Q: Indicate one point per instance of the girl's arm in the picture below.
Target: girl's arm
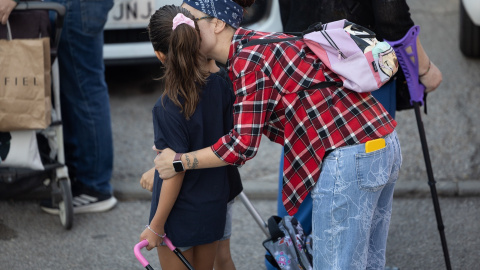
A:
(168, 196)
(200, 159)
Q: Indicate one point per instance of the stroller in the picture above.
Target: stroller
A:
(15, 182)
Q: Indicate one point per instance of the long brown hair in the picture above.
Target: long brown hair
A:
(184, 74)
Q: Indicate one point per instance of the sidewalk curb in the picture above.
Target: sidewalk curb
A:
(260, 189)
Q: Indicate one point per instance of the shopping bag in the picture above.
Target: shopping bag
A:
(25, 90)
(19, 149)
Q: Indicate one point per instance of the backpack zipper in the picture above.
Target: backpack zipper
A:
(332, 43)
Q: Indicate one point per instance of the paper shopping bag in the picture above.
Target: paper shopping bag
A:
(25, 90)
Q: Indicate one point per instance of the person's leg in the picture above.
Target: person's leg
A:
(85, 103)
(84, 95)
(345, 200)
(387, 96)
(169, 260)
(383, 211)
(223, 259)
(204, 256)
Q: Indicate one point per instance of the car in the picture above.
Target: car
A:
(470, 28)
(126, 39)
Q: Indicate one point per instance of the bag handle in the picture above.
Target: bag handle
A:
(275, 232)
(9, 31)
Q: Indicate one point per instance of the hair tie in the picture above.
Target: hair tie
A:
(181, 19)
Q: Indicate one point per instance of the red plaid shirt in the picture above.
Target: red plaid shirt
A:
(268, 81)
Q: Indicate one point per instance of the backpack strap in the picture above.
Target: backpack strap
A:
(269, 40)
(298, 35)
(323, 85)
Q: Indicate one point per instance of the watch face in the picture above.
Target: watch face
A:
(178, 166)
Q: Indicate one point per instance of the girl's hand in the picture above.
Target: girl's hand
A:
(153, 239)
(164, 163)
(147, 179)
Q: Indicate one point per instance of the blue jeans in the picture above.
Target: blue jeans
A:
(352, 206)
(386, 95)
(84, 94)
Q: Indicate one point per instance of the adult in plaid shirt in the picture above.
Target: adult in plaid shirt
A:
(323, 132)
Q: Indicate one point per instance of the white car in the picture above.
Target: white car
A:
(470, 27)
(126, 39)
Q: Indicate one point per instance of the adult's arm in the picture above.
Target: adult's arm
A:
(200, 159)
(6, 7)
(243, 141)
(430, 75)
(393, 20)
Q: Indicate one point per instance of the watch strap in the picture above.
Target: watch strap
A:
(178, 157)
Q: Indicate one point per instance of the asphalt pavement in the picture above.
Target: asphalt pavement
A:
(31, 239)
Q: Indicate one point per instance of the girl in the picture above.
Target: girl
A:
(193, 112)
(324, 133)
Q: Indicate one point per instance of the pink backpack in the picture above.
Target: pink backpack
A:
(362, 62)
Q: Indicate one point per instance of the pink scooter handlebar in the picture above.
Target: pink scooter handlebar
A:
(138, 254)
(169, 244)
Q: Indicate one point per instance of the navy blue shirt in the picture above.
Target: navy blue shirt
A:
(198, 216)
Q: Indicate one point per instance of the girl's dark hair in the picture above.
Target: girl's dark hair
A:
(184, 73)
(244, 3)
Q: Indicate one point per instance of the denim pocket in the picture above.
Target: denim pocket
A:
(373, 169)
(94, 15)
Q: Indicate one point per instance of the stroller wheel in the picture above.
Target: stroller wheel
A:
(66, 204)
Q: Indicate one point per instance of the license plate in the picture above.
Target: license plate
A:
(130, 14)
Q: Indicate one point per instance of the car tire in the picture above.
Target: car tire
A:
(469, 35)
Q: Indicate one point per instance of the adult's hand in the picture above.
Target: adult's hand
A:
(164, 163)
(432, 78)
(147, 179)
(6, 7)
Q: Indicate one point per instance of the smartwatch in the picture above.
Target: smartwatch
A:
(177, 163)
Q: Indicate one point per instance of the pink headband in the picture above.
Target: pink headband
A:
(180, 19)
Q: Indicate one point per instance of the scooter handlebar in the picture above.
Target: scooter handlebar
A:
(169, 243)
(138, 254)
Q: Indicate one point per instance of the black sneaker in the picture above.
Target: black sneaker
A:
(84, 201)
